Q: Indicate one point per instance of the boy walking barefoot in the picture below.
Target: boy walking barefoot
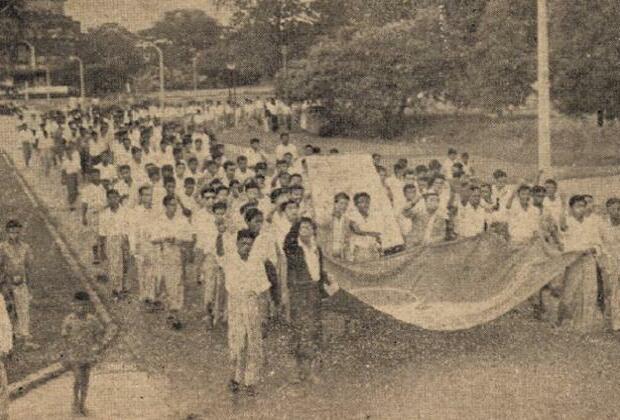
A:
(83, 338)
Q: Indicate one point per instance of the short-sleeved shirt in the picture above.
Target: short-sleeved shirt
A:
(82, 336)
(14, 258)
(113, 223)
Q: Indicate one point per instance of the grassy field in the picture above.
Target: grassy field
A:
(579, 147)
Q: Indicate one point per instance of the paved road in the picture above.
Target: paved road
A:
(513, 367)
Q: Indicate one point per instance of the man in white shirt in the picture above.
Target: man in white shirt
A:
(173, 230)
(127, 187)
(395, 184)
(367, 229)
(93, 197)
(255, 154)
(113, 242)
(142, 226)
(582, 233)
(472, 218)
(71, 169)
(449, 162)
(285, 147)
(522, 217)
(246, 285)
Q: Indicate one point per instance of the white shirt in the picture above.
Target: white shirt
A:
(178, 227)
(580, 236)
(72, 166)
(281, 150)
(470, 222)
(107, 172)
(113, 223)
(94, 196)
(141, 227)
(522, 223)
(254, 157)
(311, 256)
(243, 277)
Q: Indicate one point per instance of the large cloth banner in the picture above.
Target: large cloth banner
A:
(453, 285)
(330, 175)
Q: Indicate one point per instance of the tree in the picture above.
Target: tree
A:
(585, 58)
(111, 58)
(371, 77)
(498, 53)
(190, 32)
(266, 32)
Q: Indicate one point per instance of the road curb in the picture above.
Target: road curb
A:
(35, 379)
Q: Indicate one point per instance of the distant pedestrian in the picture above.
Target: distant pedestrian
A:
(83, 336)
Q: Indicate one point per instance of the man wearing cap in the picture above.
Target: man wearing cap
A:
(15, 265)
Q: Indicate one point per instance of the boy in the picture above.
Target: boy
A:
(246, 283)
(285, 147)
(16, 264)
(83, 337)
(449, 162)
(71, 168)
(337, 228)
(367, 229)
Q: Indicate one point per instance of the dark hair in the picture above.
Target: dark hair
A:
(452, 151)
(245, 234)
(421, 169)
(291, 243)
(169, 179)
(251, 213)
(112, 191)
(551, 181)
(81, 296)
(220, 205)
(357, 197)
(143, 188)
(13, 224)
(537, 189)
(228, 164)
(408, 187)
(254, 140)
(576, 199)
(242, 158)
(523, 187)
(167, 199)
(498, 173)
(287, 203)
(341, 196)
(612, 201)
(189, 181)
(124, 167)
(285, 134)
(221, 188)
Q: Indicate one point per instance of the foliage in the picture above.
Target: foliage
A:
(585, 63)
(371, 77)
(110, 57)
(188, 33)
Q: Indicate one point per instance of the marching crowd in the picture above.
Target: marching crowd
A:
(165, 198)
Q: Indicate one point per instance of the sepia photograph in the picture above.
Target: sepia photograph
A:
(309, 209)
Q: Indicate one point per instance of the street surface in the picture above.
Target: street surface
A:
(513, 367)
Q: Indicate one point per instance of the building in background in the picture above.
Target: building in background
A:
(44, 25)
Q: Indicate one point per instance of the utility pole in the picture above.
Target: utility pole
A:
(544, 101)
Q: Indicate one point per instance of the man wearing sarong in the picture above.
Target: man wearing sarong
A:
(144, 252)
(580, 305)
(610, 262)
(173, 230)
(113, 243)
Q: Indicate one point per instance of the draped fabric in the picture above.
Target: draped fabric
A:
(462, 284)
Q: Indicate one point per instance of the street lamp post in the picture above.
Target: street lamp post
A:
(162, 88)
(195, 72)
(33, 65)
(82, 85)
(544, 102)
